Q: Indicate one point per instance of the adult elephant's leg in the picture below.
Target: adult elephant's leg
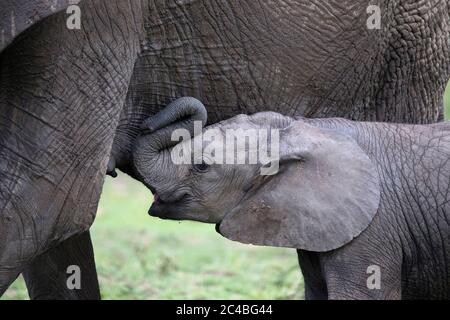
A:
(47, 275)
(61, 95)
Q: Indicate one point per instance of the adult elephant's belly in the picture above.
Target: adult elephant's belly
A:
(249, 56)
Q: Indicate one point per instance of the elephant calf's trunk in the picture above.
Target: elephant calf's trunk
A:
(157, 134)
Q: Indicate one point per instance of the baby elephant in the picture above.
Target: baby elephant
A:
(366, 205)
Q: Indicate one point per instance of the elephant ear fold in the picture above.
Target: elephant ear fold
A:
(326, 192)
(18, 15)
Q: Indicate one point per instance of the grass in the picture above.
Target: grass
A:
(139, 257)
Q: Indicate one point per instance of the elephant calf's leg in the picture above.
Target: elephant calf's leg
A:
(315, 285)
(65, 272)
(363, 279)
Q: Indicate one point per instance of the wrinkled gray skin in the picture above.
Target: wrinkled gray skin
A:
(347, 195)
(70, 99)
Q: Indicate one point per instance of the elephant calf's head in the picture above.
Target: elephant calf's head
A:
(264, 179)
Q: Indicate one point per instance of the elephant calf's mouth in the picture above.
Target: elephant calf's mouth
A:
(167, 208)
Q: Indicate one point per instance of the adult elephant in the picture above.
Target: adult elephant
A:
(70, 99)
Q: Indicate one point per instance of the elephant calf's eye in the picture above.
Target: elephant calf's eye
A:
(201, 167)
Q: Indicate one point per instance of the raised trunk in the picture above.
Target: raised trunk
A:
(151, 152)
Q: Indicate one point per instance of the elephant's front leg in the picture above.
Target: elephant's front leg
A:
(66, 272)
(368, 269)
(61, 95)
(357, 285)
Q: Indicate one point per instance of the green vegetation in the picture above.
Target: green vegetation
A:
(140, 257)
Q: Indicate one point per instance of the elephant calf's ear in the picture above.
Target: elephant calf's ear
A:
(325, 194)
